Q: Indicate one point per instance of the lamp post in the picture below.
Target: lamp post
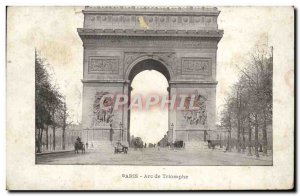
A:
(124, 135)
(221, 146)
(229, 140)
(121, 131)
(93, 132)
(111, 133)
(172, 130)
(87, 134)
(50, 141)
(72, 137)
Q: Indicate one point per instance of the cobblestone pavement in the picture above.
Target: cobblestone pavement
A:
(153, 156)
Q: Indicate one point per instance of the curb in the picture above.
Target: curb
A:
(54, 152)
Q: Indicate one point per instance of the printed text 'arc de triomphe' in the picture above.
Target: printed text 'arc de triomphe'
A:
(120, 42)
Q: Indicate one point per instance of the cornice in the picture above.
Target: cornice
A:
(170, 82)
(137, 32)
(193, 82)
(146, 10)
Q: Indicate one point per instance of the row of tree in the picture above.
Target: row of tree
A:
(50, 106)
(248, 108)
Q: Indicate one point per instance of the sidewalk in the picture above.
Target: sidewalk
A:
(54, 152)
(234, 152)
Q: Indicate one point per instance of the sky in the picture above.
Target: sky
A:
(154, 121)
(52, 31)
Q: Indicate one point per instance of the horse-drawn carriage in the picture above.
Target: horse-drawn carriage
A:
(79, 146)
(119, 148)
(179, 144)
(213, 143)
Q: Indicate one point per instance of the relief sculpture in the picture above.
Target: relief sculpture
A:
(196, 66)
(102, 116)
(196, 116)
(104, 65)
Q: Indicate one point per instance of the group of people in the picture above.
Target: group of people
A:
(150, 145)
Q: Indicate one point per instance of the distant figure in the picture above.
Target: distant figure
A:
(78, 139)
(87, 145)
(154, 145)
(145, 145)
(260, 147)
(111, 134)
(92, 145)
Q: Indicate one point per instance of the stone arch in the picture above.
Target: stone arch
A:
(116, 51)
(142, 63)
(148, 62)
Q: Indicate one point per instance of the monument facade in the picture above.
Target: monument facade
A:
(120, 42)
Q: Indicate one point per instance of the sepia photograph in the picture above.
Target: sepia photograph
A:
(163, 87)
(149, 93)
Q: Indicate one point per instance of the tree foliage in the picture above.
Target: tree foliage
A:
(48, 102)
(250, 102)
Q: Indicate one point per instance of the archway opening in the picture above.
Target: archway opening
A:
(151, 125)
(148, 78)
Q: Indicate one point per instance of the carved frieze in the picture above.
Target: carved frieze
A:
(161, 21)
(195, 66)
(168, 57)
(103, 65)
(149, 42)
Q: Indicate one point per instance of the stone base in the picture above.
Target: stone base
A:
(196, 145)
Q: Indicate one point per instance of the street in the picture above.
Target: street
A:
(153, 156)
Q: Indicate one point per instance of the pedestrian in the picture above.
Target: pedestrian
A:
(260, 148)
(87, 145)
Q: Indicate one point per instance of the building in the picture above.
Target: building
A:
(120, 42)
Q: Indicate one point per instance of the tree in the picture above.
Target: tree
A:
(47, 101)
(260, 75)
(250, 102)
(42, 87)
(63, 115)
(226, 120)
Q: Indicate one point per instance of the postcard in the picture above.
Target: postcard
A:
(150, 98)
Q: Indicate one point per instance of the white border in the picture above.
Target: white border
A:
(4, 3)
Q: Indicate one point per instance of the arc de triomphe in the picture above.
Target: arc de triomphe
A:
(120, 42)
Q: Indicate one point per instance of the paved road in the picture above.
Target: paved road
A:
(154, 157)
